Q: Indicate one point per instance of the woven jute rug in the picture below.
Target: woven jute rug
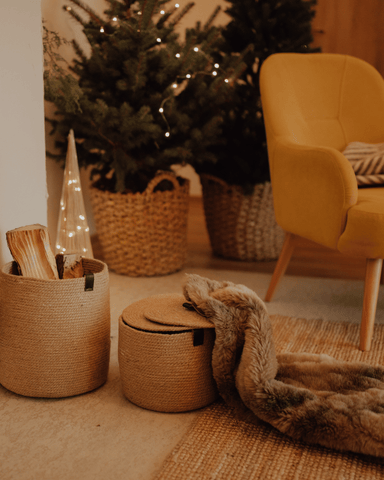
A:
(220, 447)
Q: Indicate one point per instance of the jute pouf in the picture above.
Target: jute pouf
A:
(165, 354)
(54, 334)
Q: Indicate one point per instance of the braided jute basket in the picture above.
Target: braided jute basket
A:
(165, 354)
(54, 335)
(143, 234)
(241, 227)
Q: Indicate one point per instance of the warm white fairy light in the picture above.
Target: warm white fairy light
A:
(68, 9)
(114, 19)
(101, 29)
(162, 12)
(70, 234)
(78, 227)
(187, 76)
(81, 217)
(177, 5)
(158, 40)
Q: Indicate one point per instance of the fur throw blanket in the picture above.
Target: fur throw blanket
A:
(312, 398)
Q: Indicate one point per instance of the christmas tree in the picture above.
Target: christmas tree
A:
(148, 100)
(269, 26)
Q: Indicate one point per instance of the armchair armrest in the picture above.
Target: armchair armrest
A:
(313, 188)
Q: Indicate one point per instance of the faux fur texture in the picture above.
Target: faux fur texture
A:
(312, 398)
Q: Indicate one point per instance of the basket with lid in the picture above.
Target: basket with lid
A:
(165, 353)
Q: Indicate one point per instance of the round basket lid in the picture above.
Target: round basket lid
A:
(163, 313)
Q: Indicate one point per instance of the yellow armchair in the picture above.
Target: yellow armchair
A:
(314, 105)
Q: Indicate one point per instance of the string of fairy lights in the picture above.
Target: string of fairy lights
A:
(186, 77)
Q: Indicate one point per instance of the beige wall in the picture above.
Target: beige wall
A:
(22, 150)
(58, 21)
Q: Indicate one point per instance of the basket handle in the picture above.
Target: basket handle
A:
(212, 178)
(159, 178)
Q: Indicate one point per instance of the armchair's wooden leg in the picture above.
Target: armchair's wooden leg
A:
(371, 293)
(282, 264)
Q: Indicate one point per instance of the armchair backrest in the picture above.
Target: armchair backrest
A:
(321, 100)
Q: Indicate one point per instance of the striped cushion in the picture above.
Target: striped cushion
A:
(367, 161)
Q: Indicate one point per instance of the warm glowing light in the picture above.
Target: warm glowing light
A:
(214, 73)
(68, 9)
(216, 65)
(188, 75)
(162, 12)
(177, 55)
(114, 19)
(226, 80)
(161, 110)
(196, 49)
(174, 85)
(177, 5)
(101, 29)
(78, 227)
(70, 234)
(82, 217)
(58, 246)
(87, 229)
(167, 134)
(159, 40)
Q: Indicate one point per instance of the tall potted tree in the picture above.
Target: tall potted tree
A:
(236, 188)
(146, 101)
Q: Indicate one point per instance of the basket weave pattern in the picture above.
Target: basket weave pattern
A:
(241, 227)
(165, 372)
(143, 234)
(54, 336)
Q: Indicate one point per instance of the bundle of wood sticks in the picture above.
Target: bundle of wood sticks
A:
(31, 249)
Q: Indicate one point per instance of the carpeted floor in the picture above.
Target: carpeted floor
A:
(101, 435)
(221, 447)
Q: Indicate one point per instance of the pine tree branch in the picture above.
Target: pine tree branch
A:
(93, 15)
(147, 12)
(211, 19)
(183, 12)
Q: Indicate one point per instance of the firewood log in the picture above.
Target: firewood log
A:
(31, 249)
(69, 265)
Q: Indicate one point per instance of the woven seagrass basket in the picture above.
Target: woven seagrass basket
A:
(54, 334)
(165, 354)
(143, 234)
(241, 227)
